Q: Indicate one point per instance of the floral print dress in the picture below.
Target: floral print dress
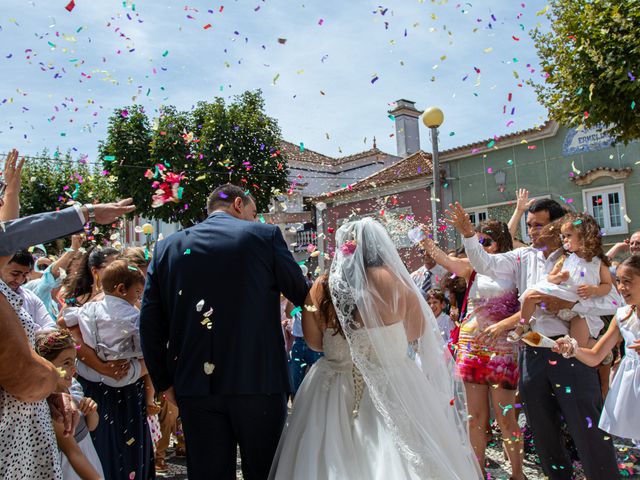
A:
(489, 302)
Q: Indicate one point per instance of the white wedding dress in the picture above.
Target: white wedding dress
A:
(366, 410)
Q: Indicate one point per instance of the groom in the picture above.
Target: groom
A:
(211, 334)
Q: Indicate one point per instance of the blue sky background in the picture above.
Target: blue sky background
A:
(64, 72)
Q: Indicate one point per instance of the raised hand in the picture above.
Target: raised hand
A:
(108, 212)
(458, 219)
(76, 241)
(523, 202)
(12, 172)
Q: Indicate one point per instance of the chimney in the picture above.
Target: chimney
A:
(407, 131)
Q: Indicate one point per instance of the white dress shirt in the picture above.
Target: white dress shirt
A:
(445, 325)
(527, 266)
(37, 310)
(109, 326)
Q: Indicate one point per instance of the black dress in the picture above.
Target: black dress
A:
(122, 439)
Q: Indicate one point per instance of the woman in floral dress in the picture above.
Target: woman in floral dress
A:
(488, 363)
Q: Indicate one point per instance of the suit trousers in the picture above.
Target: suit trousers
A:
(553, 388)
(215, 425)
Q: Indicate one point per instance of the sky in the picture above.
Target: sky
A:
(329, 70)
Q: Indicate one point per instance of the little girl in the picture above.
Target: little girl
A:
(584, 273)
(619, 416)
(79, 458)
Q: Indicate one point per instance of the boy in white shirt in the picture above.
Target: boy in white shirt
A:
(436, 300)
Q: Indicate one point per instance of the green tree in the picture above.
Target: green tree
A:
(51, 182)
(591, 58)
(212, 144)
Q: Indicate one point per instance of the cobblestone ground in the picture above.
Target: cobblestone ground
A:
(497, 465)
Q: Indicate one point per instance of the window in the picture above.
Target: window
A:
(477, 216)
(607, 205)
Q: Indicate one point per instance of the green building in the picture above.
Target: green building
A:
(584, 170)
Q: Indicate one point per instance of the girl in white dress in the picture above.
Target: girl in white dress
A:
(619, 415)
(78, 456)
(584, 273)
(366, 410)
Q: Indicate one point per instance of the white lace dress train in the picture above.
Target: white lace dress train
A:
(335, 431)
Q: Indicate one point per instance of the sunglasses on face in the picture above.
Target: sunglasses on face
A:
(485, 241)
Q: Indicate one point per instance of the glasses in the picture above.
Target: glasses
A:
(485, 241)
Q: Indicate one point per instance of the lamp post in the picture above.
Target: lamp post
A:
(432, 119)
(320, 208)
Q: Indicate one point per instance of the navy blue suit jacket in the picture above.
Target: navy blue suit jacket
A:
(238, 268)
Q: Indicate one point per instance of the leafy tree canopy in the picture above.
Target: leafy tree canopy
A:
(591, 58)
(170, 164)
(51, 182)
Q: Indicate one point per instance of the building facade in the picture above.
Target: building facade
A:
(583, 170)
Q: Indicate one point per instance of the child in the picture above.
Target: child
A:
(619, 416)
(436, 300)
(79, 457)
(584, 273)
(110, 326)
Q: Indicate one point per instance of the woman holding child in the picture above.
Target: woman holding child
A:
(488, 365)
(110, 365)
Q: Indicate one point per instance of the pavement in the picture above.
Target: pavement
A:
(497, 465)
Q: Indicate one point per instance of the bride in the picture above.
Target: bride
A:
(366, 410)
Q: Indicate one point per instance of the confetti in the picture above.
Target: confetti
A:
(130, 441)
(200, 305)
(543, 11)
(209, 368)
(589, 422)
(70, 6)
(187, 251)
(575, 170)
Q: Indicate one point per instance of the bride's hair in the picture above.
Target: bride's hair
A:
(325, 307)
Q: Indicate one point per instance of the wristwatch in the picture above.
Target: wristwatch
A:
(92, 212)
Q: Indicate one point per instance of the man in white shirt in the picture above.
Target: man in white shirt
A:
(429, 275)
(551, 386)
(14, 274)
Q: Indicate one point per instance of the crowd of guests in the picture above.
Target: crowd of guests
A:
(505, 288)
(86, 407)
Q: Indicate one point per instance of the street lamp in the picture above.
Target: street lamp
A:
(320, 207)
(432, 119)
